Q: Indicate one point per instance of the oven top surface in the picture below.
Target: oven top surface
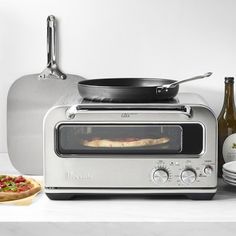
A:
(181, 99)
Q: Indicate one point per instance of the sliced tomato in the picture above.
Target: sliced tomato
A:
(6, 179)
(19, 179)
(24, 188)
(2, 185)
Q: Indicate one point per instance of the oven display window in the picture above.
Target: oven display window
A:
(118, 139)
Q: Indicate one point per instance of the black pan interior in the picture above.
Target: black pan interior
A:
(126, 82)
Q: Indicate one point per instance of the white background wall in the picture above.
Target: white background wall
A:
(101, 38)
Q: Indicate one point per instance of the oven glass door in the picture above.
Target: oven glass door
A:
(118, 139)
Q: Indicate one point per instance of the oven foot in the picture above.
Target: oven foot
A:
(60, 196)
(71, 196)
(200, 196)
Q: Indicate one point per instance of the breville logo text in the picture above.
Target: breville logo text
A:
(125, 115)
(70, 175)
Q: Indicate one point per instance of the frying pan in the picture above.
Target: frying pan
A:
(131, 89)
(29, 98)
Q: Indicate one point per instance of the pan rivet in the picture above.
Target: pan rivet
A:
(72, 116)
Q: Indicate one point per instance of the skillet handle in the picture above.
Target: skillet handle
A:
(166, 87)
(52, 70)
(190, 79)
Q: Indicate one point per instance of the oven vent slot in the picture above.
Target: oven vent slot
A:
(182, 109)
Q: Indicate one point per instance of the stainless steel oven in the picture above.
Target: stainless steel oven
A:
(113, 148)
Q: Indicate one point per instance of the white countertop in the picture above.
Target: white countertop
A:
(221, 209)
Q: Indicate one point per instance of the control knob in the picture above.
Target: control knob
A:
(160, 176)
(188, 176)
(208, 170)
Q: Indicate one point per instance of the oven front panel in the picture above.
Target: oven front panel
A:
(70, 164)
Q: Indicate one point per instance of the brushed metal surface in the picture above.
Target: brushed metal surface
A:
(160, 176)
(188, 176)
(129, 171)
(28, 101)
(29, 98)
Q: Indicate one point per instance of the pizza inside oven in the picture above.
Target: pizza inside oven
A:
(125, 143)
(17, 187)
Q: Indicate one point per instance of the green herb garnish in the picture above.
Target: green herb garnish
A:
(2, 177)
(10, 188)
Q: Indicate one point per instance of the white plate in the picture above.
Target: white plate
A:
(230, 183)
(228, 149)
(227, 173)
(227, 178)
(230, 167)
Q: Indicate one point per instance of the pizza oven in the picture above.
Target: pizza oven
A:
(95, 148)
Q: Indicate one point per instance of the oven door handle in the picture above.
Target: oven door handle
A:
(72, 111)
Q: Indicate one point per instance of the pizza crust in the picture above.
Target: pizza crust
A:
(135, 143)
(10, 196)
